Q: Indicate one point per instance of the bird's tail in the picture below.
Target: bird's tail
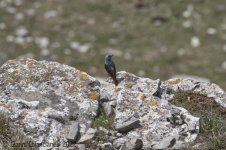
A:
(115, 81)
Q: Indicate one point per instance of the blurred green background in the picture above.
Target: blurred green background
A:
(151, 38)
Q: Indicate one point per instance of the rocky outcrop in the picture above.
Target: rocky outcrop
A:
(54, 103)
(143, 112)
(44, 98)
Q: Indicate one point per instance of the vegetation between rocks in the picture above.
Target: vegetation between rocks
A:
(103, 121)
(212, 118)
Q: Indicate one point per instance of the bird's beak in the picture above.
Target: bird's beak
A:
(111, 55)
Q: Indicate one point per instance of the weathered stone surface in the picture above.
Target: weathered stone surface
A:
(134, 144)
(165, 143)
(119, 142)
(127, 125)
(119, 134)
(41, 96)
(185, 76)
(124, 148)
(1, 146)
(105, 94)
(45, 148)
(104, 130)
(105, 146)
(73, 132)
(89, 135)
(72, 147)
(112, 138)
(108, 109)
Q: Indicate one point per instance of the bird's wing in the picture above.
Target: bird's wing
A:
(114, 72)
(107, 69)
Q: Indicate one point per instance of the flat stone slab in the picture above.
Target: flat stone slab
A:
(73, 132)
(128, 125)
(165, 143)
(89, 135)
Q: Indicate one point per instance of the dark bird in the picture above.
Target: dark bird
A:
(110, 68)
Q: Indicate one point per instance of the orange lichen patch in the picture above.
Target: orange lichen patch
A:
(126, 75)
(152, 103)
(92, 96)
(83, 76)
(5, 106)
(174, 81)
(128, 85)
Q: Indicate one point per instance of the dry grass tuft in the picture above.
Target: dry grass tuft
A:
(212, 118)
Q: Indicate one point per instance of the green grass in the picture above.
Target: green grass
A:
(103, 121)
(100, 121)
(212, 118)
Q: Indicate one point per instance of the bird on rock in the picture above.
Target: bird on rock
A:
(110, 68)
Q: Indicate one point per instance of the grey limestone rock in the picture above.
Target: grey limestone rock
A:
(134, 144)
(41, 97)
(89, 135)
(165, 143)
(105, 146)
(108, 109)
(127, 125)
(73, 132)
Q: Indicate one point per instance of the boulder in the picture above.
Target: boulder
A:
(42, 98)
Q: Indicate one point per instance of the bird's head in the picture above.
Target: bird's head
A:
(108, 57)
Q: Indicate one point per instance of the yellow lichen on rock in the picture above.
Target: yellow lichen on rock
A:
(126, 75)
(83, 76)
(142, 97)
(5, 106)
(92, 96)
(174, 81)
(72, 88)
(68, 90)
(82, 84)
(152, 103)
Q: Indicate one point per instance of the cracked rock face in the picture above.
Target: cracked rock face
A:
(43, 97)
